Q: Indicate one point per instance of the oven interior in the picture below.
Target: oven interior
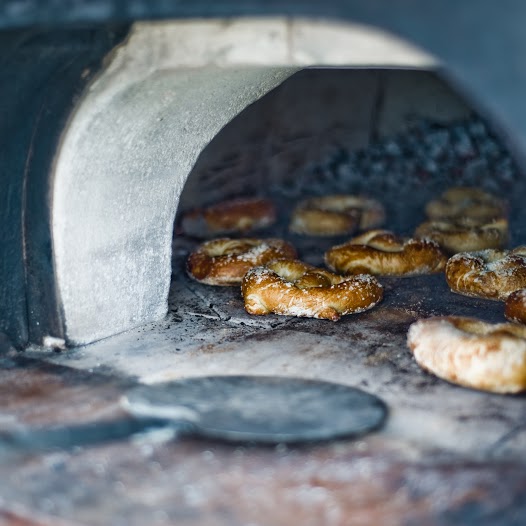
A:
(402, 136)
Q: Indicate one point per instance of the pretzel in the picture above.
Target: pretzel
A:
(472, 353)
(293, 288)
(380, 252)
(240, 215)
(465, 234)
(333, 215)
(515, 309)
(225, 261)
(462, 202)
(491, 274)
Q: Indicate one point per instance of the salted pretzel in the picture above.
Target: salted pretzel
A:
(491, 274)
(293, 288)
(225, 261)
(465, 234)
(380, 252)
(472, 353)
(515, 309)
(240, 215)
(466, 202)
(337, 214)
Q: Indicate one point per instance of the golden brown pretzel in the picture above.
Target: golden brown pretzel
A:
(380, 252)
(515, 309)
(337, 214)
(465, 234)
(491, 274)
(293, 288)
(225, 261)
(471, 352)
(233, 216)
(462, 202)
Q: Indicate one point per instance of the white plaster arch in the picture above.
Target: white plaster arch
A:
(137, 132)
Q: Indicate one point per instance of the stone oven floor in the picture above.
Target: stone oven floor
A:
(447, 455)
(207, 332)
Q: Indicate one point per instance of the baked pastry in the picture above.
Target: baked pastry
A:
(240, 215)
(465, 234)
(466, 202)
(333, 215)
(515, 309)
(491, 274)
(225, 261)
(380, 252)
(293, 288)
(472, 353)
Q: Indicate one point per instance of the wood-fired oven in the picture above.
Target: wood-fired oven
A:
(113, 129)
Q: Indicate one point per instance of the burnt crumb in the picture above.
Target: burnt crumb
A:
(403, 370)
(175, 317)
(357, 336)
(378, 358)
(259, 336)
(428, 380)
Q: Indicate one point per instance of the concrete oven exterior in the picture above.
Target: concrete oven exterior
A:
(102, 126)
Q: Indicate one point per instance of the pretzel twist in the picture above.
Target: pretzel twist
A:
(228, 217)
(472, 353)
(380, 252)
(491, 274)
(466, 234)
(462, 202)
(336, 215)
(515, 309)
(225, 261)
(293, 288)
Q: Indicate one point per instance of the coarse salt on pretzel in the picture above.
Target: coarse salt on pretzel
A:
(472, 353)
(240, 215)
(337, 214)
(515, 308)
(380, 252)
(293, 288)
(465, 234)
(225, 261)
(491, 274)
(462, 202)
